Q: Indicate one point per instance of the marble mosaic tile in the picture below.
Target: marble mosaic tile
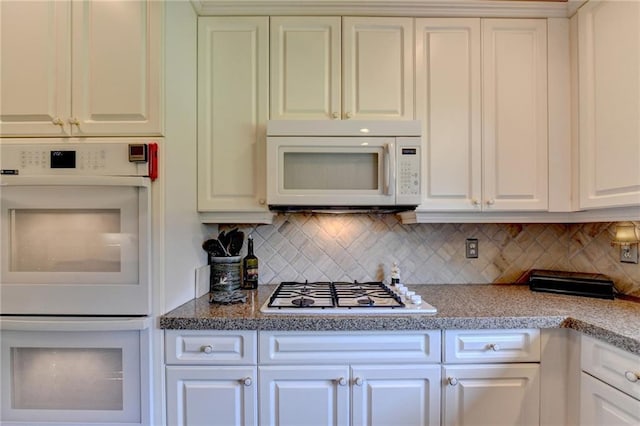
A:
(364, 247)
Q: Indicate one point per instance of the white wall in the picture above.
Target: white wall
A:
(183, 230)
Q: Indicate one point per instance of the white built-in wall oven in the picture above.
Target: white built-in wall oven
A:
(75, 281)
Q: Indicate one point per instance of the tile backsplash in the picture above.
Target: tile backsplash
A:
(362, 247)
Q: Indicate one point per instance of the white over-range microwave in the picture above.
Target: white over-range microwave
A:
(348, 164)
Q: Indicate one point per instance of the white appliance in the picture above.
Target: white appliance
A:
(75, 280)
(345, 298)
(344, 164)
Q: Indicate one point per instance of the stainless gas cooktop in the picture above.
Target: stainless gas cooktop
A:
(344, 298)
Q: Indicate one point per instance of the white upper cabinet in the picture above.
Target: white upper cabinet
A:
(233, 100)
(305, 68)
(342, 68)
(88, 68)
(514, 110)
(448, 105)
(378, 68)
(609, 103)
(481, 94)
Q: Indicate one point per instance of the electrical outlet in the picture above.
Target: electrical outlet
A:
(629, 253)
(471, 248)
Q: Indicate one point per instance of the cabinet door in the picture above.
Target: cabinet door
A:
(491, 394)
(305, 67)
(116, 68)
(233, 87)
(35, 78)
(515, 114)
(396, 395)
(198, 396)
(377, 68)
(448, 104)
(609, 91)
(603, 405)
(309, 395)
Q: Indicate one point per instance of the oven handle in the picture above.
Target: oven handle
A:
(74, 324)
(75, 181)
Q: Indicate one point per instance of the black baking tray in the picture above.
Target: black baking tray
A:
(573, 283)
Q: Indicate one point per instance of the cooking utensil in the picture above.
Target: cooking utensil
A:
(236, 240)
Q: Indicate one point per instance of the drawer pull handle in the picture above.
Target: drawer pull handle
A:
(494, 347)
(631, 376)
(342, 381)
(247, 381)
(207, 349)
(358, 381)
(452, 381)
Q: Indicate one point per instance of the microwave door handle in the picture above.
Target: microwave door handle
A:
(389, 168)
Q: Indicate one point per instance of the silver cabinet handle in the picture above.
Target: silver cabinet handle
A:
(342, 381)
(491, 202)
(494, 347)
(631, 376)
(57, 121)
(207, 349)
(452, 381)
(475, 202)
(348, 115)
(74, 121)
(358, 381)
(246, 381)
(262, 201)
(335, 115)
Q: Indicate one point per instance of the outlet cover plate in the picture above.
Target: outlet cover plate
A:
(629, 254)
(471, 248)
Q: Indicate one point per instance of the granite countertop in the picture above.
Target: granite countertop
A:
(475, 306)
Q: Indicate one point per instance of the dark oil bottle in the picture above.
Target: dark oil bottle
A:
(250, 267)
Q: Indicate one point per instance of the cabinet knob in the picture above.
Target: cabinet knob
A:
(348, 115)
(335, 115)
(74, 121)
(262, 201)
(246, 381)
(491, 202)
(452, 381)
(207, 349)
(58, 121)
(475, 202)
(631, 376)
(358, 381)
(342, 381)
(494, 347)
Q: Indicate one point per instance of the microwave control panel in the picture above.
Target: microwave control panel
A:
(408, 173)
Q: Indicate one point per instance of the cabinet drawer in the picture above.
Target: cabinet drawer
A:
(619, 368)
(466, 346)
(278, 347)
(210, 347)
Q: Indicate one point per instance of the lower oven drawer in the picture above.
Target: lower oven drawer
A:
(74, 377)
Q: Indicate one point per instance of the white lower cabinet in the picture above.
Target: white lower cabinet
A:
(211, 395)
(609, 385)
(355, 378)
(601, 404)
(491, 377)
(211, 378)
(495, 394)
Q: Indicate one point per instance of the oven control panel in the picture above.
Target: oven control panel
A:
(96, 159)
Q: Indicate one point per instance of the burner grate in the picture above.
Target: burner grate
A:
(334, 294)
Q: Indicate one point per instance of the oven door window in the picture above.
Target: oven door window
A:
(347, 171)
(66, 240)
(71, 235)
(71, 377)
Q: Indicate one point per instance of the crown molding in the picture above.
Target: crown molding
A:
(413, 8)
